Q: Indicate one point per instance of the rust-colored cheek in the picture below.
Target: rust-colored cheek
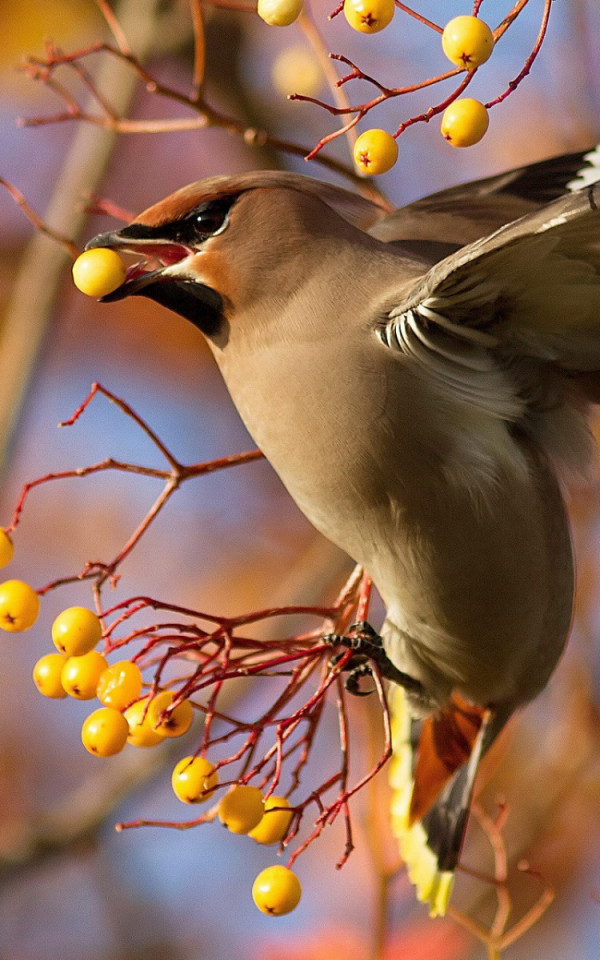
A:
(214, 270)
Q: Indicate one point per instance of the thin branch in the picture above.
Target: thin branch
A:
(115, 27)
(37, 222)
(419, 17)
(97, 388)
(312, 34)
(530, 59)
(199, 49)
(205, 114)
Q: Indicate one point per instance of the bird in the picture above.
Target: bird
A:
(422, 381)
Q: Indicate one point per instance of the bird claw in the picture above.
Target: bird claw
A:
(357, 666)
(367, 646)
(356, 671)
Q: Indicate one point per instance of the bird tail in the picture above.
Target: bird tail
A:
(432, 774)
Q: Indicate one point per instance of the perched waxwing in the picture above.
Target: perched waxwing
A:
(420, 381)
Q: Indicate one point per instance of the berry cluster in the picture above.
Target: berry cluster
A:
(467, 43)
(128, 716)
(180, 667)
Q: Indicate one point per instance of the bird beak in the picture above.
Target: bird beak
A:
(152, 257)
(158, 272)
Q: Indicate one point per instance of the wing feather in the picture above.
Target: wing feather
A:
(510, 324)
(463, 213)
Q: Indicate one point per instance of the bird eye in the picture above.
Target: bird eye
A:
(211, 217)
(205, 220)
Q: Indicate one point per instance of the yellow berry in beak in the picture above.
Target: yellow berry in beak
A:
(98, 272)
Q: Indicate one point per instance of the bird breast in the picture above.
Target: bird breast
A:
(460, 523)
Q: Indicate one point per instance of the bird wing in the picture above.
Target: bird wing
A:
(542, 181)
(531, 288)
(510, 324)
(463, 213)
(532, 285)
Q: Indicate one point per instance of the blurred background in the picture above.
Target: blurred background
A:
(70, 887)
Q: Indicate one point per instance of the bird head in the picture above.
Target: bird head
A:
(211, 247)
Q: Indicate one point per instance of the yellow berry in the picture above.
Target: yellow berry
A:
(276, 891)
(464, 122)
(80, 675)
(241, 809)
(194, 780)
(76, 631)
(174, 723)
(375, 151)
(141, 733)
(6, 548)
(19, 606)
(279, 13)
(119, 684)
(104, 732)
(369, 16)
(467, 41)
(46, 675)
(296, 70)
(98, 272)
(275, 823)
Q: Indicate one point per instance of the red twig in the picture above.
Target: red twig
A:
(530, 59)
(97, 388)
(387, 92)
(439, 108)
(419, 17)
(106, 207)
(37, 222)
(214, 651)
(222, 656)
(203, 113)
(172, 478)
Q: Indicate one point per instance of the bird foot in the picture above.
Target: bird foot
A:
(368, 648)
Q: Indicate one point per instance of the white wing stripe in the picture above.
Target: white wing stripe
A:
(459, 366)
(466, 333)
(474, 359)
(588, 174)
